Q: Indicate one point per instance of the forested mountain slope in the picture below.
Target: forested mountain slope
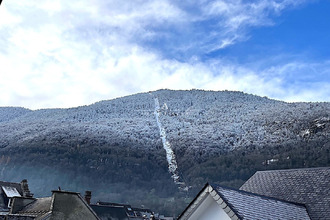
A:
(123, 149)
(9, 113)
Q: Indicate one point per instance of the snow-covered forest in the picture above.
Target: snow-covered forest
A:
(193, 120)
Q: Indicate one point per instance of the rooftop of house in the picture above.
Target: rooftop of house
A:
(239, 204)
(110, 212)
(8, 190)
(107, 210)
(61, 205)
(36, 207)
(309, 186)
(17, 186)
(252, 206)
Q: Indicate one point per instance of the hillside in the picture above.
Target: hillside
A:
(141, 148)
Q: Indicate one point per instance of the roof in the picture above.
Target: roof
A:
(110, 212)
(18, 217)
(239, 204)
(70, 205)
(252, 206)
(142, 210)
(39, 207)
(310, 186)
(11, 187)
(61, 205)
(17, 186)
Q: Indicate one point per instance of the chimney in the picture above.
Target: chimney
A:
(88, 197)
(25, 189)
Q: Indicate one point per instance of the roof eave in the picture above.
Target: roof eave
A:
(208, 190)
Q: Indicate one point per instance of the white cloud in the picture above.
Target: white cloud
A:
(70, 53)
(236, 17)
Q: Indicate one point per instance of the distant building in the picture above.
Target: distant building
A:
(109, 211)
(61, 205)
(9, 190)
(106, 212)
(17, 203)
(275, 194)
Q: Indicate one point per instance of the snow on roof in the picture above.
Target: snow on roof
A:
(10, 191)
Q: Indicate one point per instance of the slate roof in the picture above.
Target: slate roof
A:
(70, 205)
(252, 206)
(108, 212)
(239, 204)
(309, 186)
(18, 217)
(3, 196)
(61, 205)
(39, 207)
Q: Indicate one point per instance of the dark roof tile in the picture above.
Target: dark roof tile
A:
(252, 206)
(309, 186)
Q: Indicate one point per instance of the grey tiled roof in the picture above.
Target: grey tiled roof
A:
(39, 207)
(309, 186)
(251, 206)
(108, 212)
(61, 205)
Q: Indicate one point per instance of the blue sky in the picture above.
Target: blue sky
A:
(70, 53)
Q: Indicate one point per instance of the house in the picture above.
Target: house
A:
(61, 205)
(9, 190)
(215, 202)
(274, 194)
(309, 186)
(106, 212)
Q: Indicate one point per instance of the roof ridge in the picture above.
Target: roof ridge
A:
(295, 169)
(63, 191)
(43, 197)
(8, 182)
(255, 194)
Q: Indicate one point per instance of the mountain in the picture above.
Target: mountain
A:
(158, 148)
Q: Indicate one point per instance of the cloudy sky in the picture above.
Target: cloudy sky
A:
(69, 53)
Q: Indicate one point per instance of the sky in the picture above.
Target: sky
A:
(60, 54)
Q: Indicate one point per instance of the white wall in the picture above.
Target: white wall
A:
(209, 210)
